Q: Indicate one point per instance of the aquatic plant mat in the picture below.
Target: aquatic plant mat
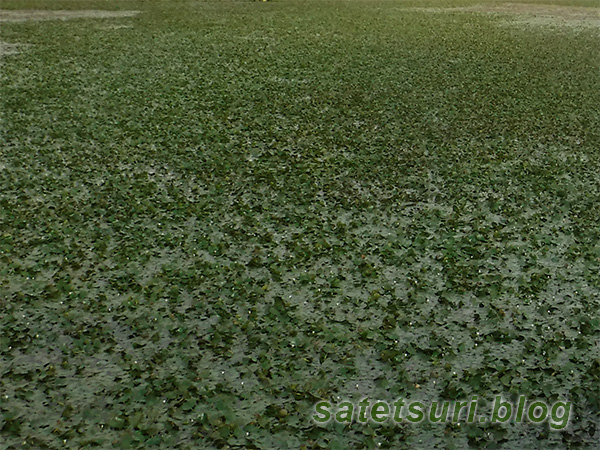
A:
(215, 214)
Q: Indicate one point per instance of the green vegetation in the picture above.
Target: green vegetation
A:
(212, 215)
